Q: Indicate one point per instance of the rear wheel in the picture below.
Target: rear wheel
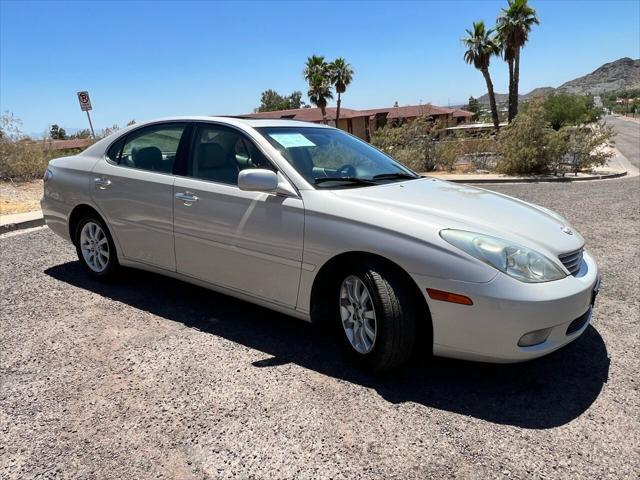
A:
(95, 247)
(376, 315)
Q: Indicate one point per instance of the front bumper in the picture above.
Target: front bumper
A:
(505, 309)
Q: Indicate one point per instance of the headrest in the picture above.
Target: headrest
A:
(211, 155)
(302, 161)
(147, 157)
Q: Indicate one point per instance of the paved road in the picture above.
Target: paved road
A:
(152, 378)
(627, 138)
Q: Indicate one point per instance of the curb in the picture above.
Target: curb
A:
(13, 226)
(537, 180)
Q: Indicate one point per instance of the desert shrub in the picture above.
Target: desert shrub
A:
(20, 157)
(530, 145)
(411, 143)
(523, 143)
(582, 148)
(21, 160)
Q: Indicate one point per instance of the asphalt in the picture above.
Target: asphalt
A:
(627, 138)
(149, 377)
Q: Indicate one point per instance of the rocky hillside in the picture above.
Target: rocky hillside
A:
(623, 74)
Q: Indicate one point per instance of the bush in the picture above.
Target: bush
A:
(529, 144)
(20, 157)
(523, 143)
(411, 143)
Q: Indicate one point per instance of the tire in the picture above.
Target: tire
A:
(394, 311)
(98, 265)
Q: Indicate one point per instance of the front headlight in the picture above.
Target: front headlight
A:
(515, 260)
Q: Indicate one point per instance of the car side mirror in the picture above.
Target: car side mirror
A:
(258, 180)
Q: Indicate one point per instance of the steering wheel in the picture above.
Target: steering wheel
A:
(347, 171)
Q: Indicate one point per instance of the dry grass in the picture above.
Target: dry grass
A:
(20, 197)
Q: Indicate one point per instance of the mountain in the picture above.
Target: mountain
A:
(623, 74)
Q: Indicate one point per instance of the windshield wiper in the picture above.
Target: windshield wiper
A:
(353, 180)
(391, 176)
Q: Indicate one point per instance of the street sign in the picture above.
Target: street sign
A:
(85, 101)
(85, 106)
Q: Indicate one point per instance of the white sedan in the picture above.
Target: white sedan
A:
(312, 222)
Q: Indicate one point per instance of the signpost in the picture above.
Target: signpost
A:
(85, 106)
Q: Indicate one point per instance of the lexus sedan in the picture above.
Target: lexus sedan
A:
(313, 222)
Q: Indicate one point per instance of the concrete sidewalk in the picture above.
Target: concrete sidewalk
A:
(617, 166)
(18, 221)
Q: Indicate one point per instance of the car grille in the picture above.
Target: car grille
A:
(572, 260)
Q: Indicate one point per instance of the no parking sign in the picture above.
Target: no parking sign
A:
(85, 101)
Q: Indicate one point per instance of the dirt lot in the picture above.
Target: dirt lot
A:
(19, 197)
(152, 378)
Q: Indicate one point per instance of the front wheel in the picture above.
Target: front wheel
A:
(377, 317)
(95, 248)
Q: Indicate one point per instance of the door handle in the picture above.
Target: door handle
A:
(102, 183)
(187, 198)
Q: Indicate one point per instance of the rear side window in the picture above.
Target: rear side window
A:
(113, 154)
(152, 148)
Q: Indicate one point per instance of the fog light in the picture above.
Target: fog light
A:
(534, 338)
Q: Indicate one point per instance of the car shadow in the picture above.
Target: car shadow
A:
(539, 394)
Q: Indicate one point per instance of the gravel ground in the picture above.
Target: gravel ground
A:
(153, 378)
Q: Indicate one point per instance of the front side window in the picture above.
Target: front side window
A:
(152, 148)
(219, 154)
(330, 158)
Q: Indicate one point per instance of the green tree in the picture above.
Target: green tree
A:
(270, 101)
(513, 26)
(341, 76)
(319, 93)
(563, 109)
(481, 46)
(474, 107)
(57, 133)
(295, 100)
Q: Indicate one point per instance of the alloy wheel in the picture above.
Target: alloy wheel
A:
(94, 246)
(357, 314)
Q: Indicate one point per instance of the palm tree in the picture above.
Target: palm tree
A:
(318, 76)
(319, 92)
(513, 26)
(481, 46)
(341, 76)
(315, 65)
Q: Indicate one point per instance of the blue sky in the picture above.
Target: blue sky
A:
(143, 60)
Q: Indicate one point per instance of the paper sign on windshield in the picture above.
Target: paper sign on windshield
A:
(290, 140)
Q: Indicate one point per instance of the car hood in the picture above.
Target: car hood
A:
(440, 204)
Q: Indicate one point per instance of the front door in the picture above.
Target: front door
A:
(246, 241)
(134, 191)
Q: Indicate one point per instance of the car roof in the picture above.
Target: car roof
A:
(238, 121)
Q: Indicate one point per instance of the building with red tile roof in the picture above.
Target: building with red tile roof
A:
(363, 123)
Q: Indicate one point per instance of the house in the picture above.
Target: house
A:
(362, 123)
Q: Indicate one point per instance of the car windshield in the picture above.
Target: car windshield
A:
(330, 158)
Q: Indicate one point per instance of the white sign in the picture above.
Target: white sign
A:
(85, 101)
(291, 140)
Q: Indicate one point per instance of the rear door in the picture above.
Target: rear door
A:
(246, 241)
(134, 191)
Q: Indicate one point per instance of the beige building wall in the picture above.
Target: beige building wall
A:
(358, 126)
